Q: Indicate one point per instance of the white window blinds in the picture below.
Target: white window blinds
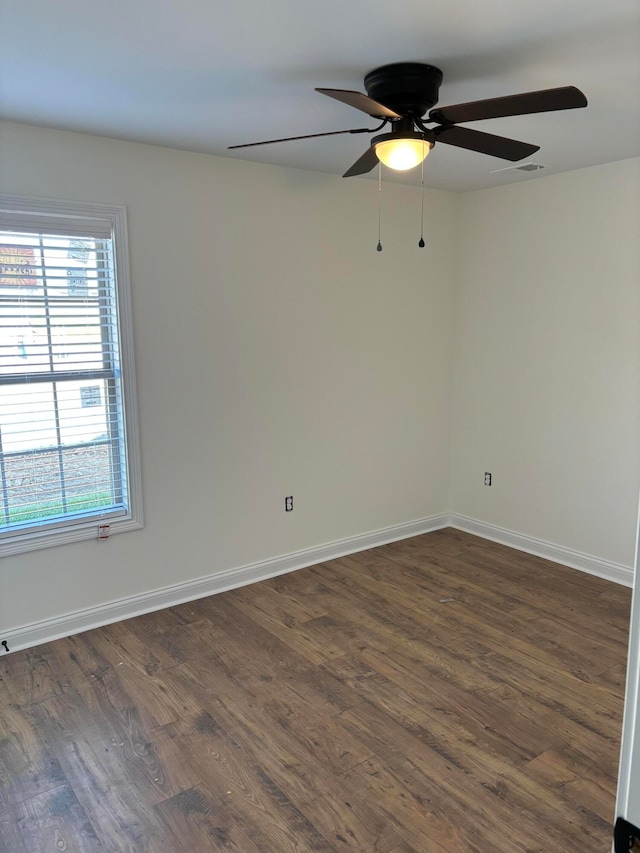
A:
(63, 430)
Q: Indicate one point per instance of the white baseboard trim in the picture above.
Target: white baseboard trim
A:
(37, 633)
(556, 553)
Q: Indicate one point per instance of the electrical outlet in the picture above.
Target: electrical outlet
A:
(288, 503)
(487, 478)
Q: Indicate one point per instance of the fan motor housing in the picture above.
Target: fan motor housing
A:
(409, 88)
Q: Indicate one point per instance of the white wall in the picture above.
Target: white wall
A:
(546, 359)
(277, 353)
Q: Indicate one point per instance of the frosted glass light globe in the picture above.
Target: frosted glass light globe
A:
(402, 154)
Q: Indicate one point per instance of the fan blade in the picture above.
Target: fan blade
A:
(364, 164)
(546, 100)
(307, 136)
(360, 102)
(484, 143)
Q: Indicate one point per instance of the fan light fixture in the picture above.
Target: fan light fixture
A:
(402, 152)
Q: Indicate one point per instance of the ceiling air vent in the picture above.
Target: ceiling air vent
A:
(522, 167)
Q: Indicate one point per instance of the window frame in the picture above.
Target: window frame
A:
(14, 211)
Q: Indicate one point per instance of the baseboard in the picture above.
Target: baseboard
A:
(37, 633)
(556, 553)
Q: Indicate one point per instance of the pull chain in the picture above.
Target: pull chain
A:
(379, 246)
(421, 241)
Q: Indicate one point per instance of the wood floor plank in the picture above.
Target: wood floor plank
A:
(502, 730)
(112, 798)
(125, 643)
(502, 593)
(399, 613)
(299, 636)
(242, 783)
(315, 731)
(459, 617)
(11, 841)
(577, 780)
(587, 709)
(274, 598)
(327, 692)
(200, 820)
(571, 729)
(21, 777)
(422, 818)
(614, 678)
(261, 650)
(352, 706)
(157, 696)
(440, 655)
(337, 810)
(29, 677)
(55, 820)
(113, 727)
(468, 783)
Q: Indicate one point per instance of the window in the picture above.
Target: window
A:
(69, 458)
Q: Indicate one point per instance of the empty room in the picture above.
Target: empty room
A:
(320, 470)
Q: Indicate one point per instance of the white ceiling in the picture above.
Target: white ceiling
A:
(204, 74)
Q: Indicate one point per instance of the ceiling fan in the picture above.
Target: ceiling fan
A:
(401, 93)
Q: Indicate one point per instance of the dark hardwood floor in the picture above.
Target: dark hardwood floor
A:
(442, 694)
